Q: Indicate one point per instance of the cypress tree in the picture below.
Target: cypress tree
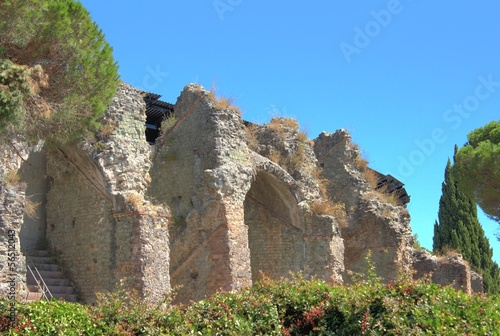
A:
(458, 229)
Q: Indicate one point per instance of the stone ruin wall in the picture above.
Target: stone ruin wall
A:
(376, 226)
(78, 227)
(12, 210)
(207, 209)
(236, 214)
(447, 270)
(183, 177)
(100, 225)
(372, 223)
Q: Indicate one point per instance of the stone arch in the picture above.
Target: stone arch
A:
(34, 175)
(275, 232)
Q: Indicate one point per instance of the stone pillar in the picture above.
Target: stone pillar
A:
(239, 252)
(143, 259)
(324, 246)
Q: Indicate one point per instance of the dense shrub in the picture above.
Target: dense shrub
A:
(296, 307)
(51, 318)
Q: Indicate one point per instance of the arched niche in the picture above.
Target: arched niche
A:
(275, 235)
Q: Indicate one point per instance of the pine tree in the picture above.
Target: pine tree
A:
(57, 72)
(477, 168)
(458, 228)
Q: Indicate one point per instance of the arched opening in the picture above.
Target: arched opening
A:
(34, 175)
(275, 236)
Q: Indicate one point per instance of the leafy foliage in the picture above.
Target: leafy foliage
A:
(18, 86)
(477, 167)
(167, 124)
(295, 307)
(459, 229)
(50, 318)
(56, 39)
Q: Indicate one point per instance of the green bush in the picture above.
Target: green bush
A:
(295, 307)
(124, 313)
(52, 318)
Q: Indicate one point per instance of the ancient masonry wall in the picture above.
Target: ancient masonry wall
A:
(100, 224)
(215, 205)
(379, 227)
(80, 228)
(236, 214)
(275, 236)
(373, 224)
(12, 210)
(451, 270)
(124, 157)
(191, 173)
(313, 244)
(33, 173)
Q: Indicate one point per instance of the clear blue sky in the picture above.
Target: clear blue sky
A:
(408, 79)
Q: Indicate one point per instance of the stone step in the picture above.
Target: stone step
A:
(42, 260)
(52, 275)
(61, 290)
(58, 285)
(48, 267)
(38, 253)
(49, 282)
(52, 289)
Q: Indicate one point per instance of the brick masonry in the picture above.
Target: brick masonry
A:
(236, 214)
(447, 270)
(211, 206)
(100, 224)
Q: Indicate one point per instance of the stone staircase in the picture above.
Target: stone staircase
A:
(58, 285)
